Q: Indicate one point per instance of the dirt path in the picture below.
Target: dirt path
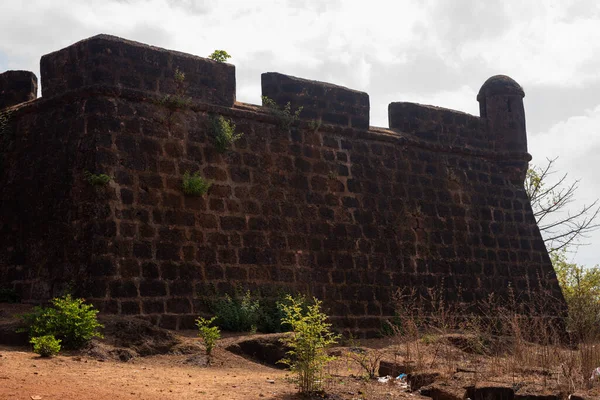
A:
(23, 374)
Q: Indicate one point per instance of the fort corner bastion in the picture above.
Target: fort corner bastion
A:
(327, 205)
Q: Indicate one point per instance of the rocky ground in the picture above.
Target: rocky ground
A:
(138, 361)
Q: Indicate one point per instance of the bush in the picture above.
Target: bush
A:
(284, 115)
(309, 338)
(96, 179)
(237, 314)
(45, 346)
(219, 56)
(224, 133)
(194, 184)
(209, 334)
(68, 319)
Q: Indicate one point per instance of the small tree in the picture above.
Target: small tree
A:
(219, 56)
(309, 338)
(209, 334)
(549, 201)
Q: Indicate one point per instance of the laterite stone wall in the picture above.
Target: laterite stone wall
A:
(328, 206)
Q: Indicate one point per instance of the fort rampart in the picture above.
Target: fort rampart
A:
(327, 205)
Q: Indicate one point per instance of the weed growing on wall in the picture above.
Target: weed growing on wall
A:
(96, 179)
(178, 100)
(286, 118)
(209, 334)
(309, 337)
(194, 184)
(219, 56)
(45, 346)
(68, 319)
(224, 133)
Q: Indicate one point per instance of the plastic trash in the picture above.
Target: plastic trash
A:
(595, 374)
(401, 376)
(384, 379)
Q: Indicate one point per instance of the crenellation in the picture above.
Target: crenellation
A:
(321, 102)
(17, 87)
(112, 61)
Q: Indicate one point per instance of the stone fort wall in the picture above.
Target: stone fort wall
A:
(329, 206)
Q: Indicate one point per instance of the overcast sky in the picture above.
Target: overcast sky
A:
(435, 52)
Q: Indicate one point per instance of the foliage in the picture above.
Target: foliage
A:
(219, 56)
(550, 200)
(284, 115)
(249, 312)
(194, 184)
(9, 296)
(209, 334)
(174, 102)
(179, 76)
(45, 346)
(224, 133)
(581, 289)
(309, 338)
(96, 179)
(68, 319)
(237, 314)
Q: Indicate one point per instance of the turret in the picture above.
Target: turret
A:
(501, 106)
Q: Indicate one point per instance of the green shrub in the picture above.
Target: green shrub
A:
(237, 314)
(224, 133)
(219, 56)
(68, 319)
(45, 346)
(194, 184)
(284, 115)
(309, 338)
(209, 334)
(96, 179)
(9, 296)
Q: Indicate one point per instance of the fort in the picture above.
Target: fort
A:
(324, 204)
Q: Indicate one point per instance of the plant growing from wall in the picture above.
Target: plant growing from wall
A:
(224, 133)
(96, 179)
(45, 346)
(194, 184)
(219, 56)
(68, 319)
(209, 334)
(308, 340)
(285, 117)
(178, 100)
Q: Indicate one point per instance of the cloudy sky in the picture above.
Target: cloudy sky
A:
(428, 51)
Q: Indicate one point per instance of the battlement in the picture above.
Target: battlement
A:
(111, 61)
(17, 87)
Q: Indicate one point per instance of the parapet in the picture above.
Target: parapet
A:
(17, 87)
(439, 125)
(109, 60)
(330, 104)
